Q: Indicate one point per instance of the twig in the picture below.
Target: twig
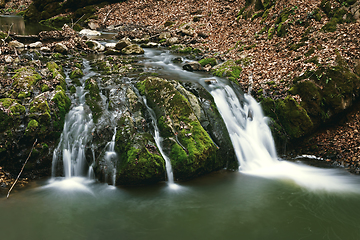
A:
(77, 21)
(8, 34)
(107, 15)
(21, 169)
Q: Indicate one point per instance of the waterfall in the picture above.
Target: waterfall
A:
(251, 137)
(75, 138)
(111, 158)
(158, 140)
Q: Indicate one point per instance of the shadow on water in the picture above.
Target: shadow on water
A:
(17, 25)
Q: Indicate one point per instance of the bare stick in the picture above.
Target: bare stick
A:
(107, 15)
(21, 169)
(77, 21)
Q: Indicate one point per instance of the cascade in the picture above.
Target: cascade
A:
(75, 138)
(158, 140)
(111, 158)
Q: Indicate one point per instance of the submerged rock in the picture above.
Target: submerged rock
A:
(193, 66)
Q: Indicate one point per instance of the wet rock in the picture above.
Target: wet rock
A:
(193, 66)
(45, 49)
(177, 60)
(76, 73)
(132, 49)
(210, 81)
(149, 45)
(172, 41)
(16, 44)
(35, 45)
(188, 145)
(88, 32)
(110, 46)
(95, 45)
(60, 48)
(122, 44)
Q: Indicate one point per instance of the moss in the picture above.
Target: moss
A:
(24, 80)
(314, 60)
(57, 22)
(330, 26)
(309, 52)
(257, 15)
(190, 148)
(76, 73)
(259, 5)
(72, 89)
(93, 98)
(227, 69)
(281, 30)
(271, 32)
(294, 118)
(63, 103)
(206, 61)
(31, 127)
(44, 88)
(40, 110)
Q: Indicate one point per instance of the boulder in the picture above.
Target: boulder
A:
(89, 32)
(187, 32)
(122, 44)
(149, 45)
(110, 46)
(60, 48)
(193, 66)
(165, 35)
(45, 49)
(172, 41)
(16, 44)
(95, 45)
(8, 59)
(93, 25)
(132, 49)
(35, 45)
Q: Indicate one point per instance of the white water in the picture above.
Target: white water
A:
(250, 134)
(75, 139)
(111, 159)
(158, 141)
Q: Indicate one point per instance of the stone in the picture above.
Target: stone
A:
(16, 44)
(93, 25)
(210, 81)
(141, 40)
(172, 41)
(60, 48)
(165, 35)
(8, 59)
(187, 32)
(89, 32)
(193, 66)
(177, 60)
(122, 44)
(95, 45)
(35, 45)
(110, 46)
(45, 49)
(132, 49)
(149, 45)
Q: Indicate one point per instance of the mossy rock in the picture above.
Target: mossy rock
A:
(186, 143)
(76, 73)
(25, 80)
(10, 112)
(93, 98)
(206, 61)
(39, 110)
(227, 69)
(62, 105)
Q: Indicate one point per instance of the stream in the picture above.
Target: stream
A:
(268, 198)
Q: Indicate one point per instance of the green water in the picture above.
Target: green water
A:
(222, 205)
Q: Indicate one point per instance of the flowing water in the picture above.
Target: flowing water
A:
(268, 198)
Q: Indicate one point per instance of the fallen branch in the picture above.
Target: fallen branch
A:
(21, 169)
(107, 15)
(4, 40)
(76, 21)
